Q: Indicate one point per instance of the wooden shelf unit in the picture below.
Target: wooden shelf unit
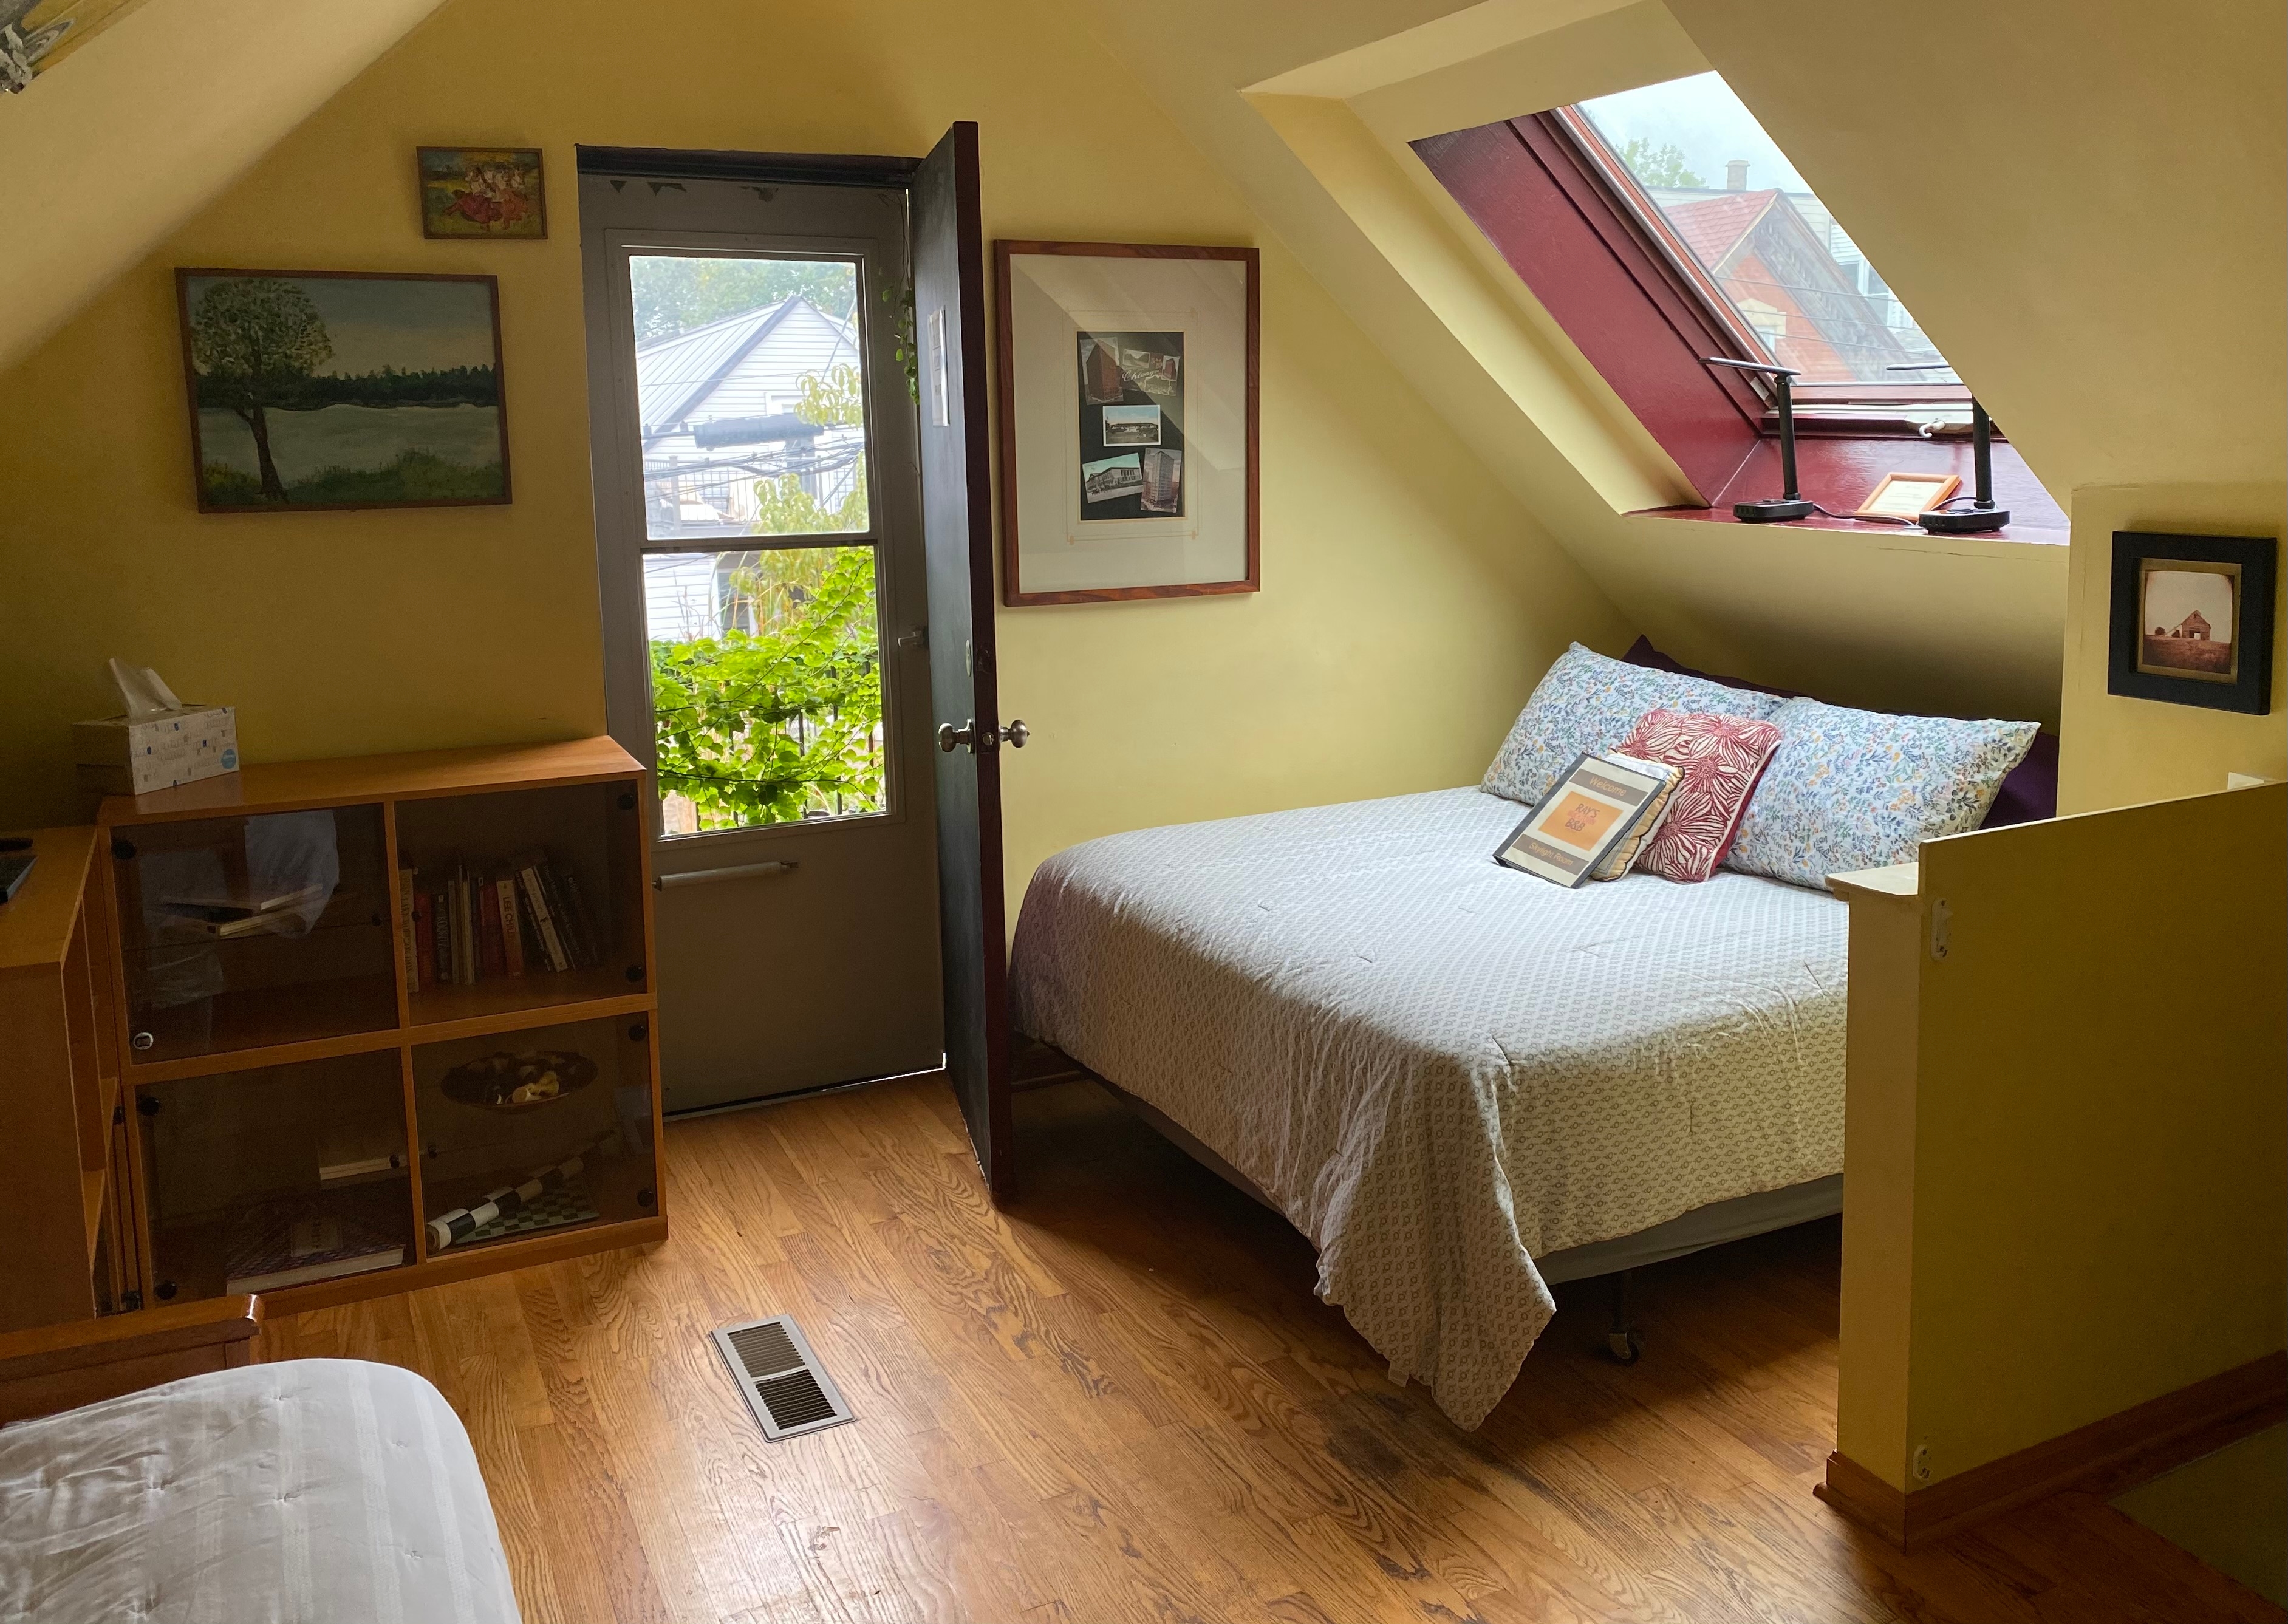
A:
(228, 1042)
(66, 1203)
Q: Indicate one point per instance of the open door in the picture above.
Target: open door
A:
(949, 261)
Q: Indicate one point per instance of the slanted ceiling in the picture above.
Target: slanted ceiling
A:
(2083, 205)
(110, 151)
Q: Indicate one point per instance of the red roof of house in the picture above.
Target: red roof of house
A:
(1711, 227)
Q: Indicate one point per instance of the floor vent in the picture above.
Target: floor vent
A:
(780, 1375)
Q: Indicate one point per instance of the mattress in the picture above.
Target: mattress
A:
(1439, 1068)
(314, 1489)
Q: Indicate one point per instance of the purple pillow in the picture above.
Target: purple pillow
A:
(2029, 795)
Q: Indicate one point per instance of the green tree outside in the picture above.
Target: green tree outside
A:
(780, 717)
(1660, 166)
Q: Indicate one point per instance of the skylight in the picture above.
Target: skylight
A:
(1723, 195)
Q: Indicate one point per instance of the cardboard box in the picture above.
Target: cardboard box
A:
(117, 756)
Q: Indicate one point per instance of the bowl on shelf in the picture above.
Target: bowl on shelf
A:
(526, 1081)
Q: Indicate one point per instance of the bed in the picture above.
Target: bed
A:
(1441, 1070)
(310, 1489)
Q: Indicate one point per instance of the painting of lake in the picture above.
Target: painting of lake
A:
(316, 390)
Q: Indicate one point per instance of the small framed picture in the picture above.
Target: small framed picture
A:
(1598, 803)
(2192, 619)
(1905, 496)
(489, 191)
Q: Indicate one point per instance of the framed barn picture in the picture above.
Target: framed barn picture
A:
(342, 389)
(1128, 378)
(2191, 620)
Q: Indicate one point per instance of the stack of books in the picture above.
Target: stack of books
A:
(468, 923)
(297, 1240)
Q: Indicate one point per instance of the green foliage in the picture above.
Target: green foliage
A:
(783, 508)
(1659, 166)
(764, 726)
(675, 293)
(900, 301)
(415, 476)
(833, 401)
(253, 336)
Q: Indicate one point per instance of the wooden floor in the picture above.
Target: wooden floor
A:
(1119, 1399)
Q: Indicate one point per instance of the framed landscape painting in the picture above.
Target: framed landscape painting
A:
(342, 389)
(1128, 421)
(2192, 619)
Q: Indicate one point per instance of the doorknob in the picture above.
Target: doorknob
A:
(1016, 733)
(948, 736)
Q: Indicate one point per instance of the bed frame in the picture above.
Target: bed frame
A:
(1612, 1260)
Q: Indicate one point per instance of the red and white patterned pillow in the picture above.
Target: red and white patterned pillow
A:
(1718, 760)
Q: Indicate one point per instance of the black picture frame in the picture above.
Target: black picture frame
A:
(2252, 564)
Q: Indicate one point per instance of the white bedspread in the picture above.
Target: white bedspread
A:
(1438, 1067)
(311, 1492)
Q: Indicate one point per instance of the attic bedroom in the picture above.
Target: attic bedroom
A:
(1068, 811)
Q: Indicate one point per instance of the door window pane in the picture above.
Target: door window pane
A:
(750, 384)
(767, 686)
(1730, 199)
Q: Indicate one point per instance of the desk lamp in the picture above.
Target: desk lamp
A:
(1982, 515)
(1792, 503)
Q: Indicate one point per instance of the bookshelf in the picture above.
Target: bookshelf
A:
(66, 1203)
(355, 1000)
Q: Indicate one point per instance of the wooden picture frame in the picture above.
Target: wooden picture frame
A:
(482, 193)
(2191, 620)
(438, 461)
(1891, 498)
(1129, 379)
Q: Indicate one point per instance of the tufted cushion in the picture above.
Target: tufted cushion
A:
(1854, 790)
(1644, 825)
(1586, 705)
(1718, 760)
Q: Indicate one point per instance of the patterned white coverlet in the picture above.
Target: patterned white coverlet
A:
(308, 1491)
(1438, 1067)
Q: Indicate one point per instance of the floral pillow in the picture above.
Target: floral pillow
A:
(1854, 790)
(1586, 705)
(1718, 761)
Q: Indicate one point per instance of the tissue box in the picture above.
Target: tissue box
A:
(117, 756)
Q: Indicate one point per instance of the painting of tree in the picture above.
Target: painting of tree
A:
(253, 340)
(342, 389)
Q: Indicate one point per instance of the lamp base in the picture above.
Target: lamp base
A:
(1773, 512)
(1963, 521)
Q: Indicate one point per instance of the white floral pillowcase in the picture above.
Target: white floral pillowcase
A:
(1851, 789)
(1587, 704)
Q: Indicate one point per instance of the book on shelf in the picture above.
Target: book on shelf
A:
(227, 905)
(463, 924)
(295, 1241)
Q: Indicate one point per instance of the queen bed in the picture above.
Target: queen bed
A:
(1461, 1082)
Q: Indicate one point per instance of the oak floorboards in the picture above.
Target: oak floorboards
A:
(1118, 1399)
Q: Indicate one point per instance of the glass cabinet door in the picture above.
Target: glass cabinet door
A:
(525, 1132)
(283, 1175)
(241, 933)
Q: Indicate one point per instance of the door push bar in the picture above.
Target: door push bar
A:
(708, 876)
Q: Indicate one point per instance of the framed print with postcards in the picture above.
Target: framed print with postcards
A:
(2192, 619)
(489, 191)
(1128, 377)
(342, 389)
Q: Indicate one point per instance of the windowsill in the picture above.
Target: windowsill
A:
(2037, 535)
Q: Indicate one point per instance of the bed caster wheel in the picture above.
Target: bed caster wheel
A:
(1624, 1347)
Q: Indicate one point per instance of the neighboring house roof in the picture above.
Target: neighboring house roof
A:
(1716, 228)
(738, 367)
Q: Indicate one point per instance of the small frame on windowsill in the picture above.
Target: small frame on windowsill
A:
(1906, 495)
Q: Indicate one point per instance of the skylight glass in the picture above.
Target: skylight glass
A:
(1732, 203)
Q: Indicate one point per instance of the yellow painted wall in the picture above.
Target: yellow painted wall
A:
(1410, 601)
(2095, 1212)
(2089, 132)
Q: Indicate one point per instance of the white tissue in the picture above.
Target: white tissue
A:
(142, 692)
